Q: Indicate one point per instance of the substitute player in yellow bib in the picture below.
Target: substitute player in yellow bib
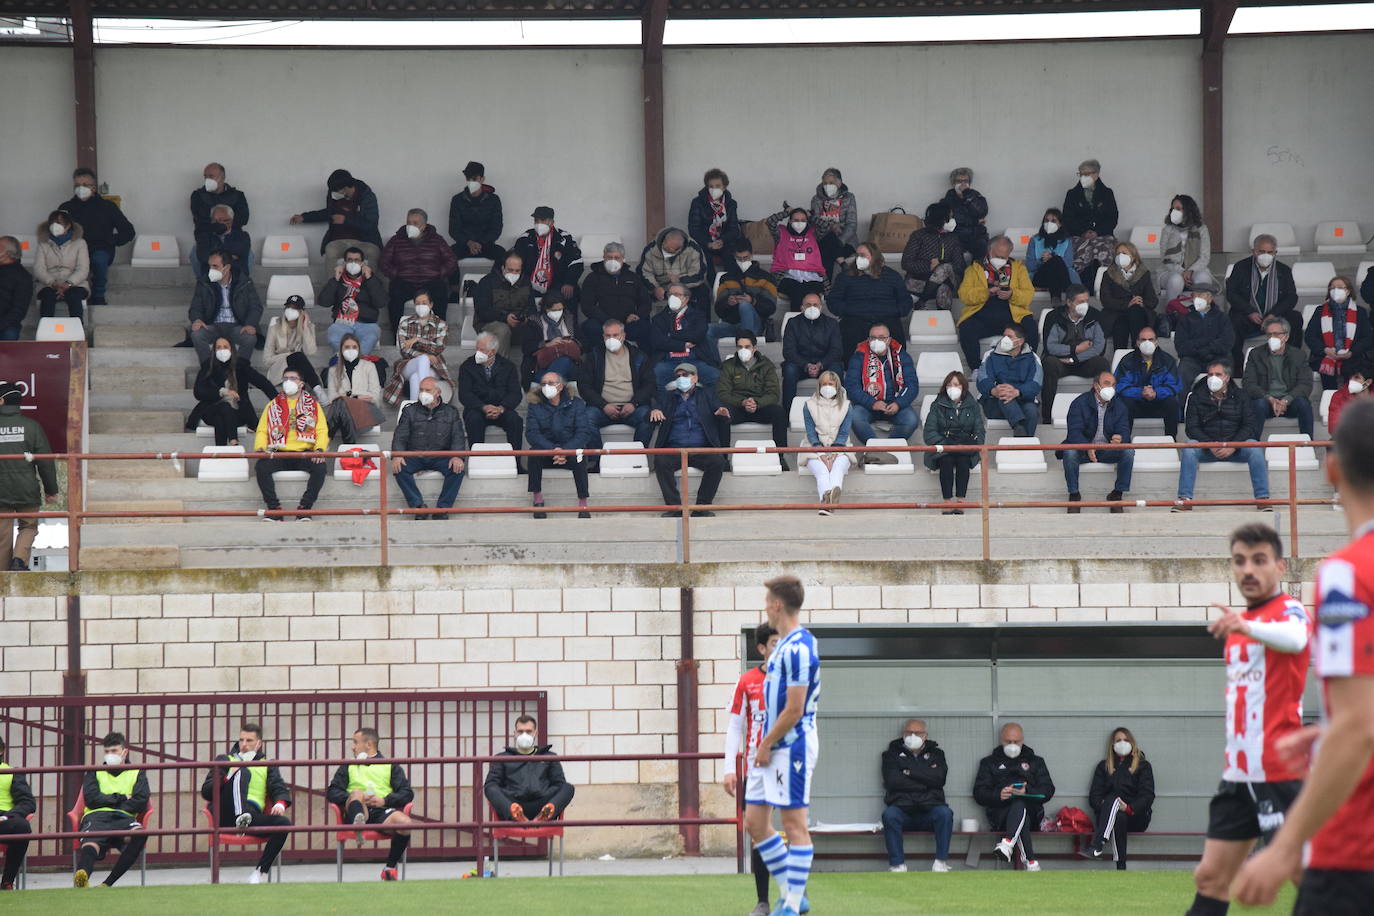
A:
(115, 795)
(251, 796)
(372, 793)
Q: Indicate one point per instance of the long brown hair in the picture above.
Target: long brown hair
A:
(231, 373)
(875, 257)
(1137, 754)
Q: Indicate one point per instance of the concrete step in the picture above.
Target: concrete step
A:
(143, 353)
(118, 424)
(128, 471)
(140, 335)
(146, 505)
(134, 378)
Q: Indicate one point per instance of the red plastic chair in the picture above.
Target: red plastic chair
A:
(548, 831)
(74, 816)
(227, 840)
(375, 836)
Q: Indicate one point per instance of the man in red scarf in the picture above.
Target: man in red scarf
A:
(881, 384)
(551, 256)
(292, 425)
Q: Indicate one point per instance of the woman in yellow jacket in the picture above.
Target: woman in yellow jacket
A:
(996, 292)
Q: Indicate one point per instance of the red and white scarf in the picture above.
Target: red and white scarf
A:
(302, 420)
(717, 219)
(998, 276)
(348, 306)
(875, 379)
(831, 209)
(543, 265)
(1328, 365)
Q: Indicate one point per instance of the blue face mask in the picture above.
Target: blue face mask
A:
(684, 383)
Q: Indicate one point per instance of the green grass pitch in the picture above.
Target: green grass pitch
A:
(1044, 894)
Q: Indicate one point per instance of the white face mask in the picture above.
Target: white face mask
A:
(350, 354)
(353, 268)
(1264, 259)
(82, 192)
(412, 232)
(1215, 383)
(811, 312)
(829, 391)
(336, 195)
(831, 189)
(550, 391)
(474, 187)
(1005, 345)
(1086, 181)
(422, 310)
(1106, 394)
(1275, 345)
(913, 742)
(427, 398)
(877, 346)
(214, 274)
(1123, 747)
(541, 229)
(290, 386)
(1012, 750)
(1201, 304)
(954, 392)
(512, 279)
(1176, 217)
(291, 314)
(1147, 348)
(247, 755)
(1080, 309)
(684, 382)
(744, 266)
(114, 759)
(950, 224)
(211, 185)
(716, 193)
(612, 267)
(1051, 227)
(555, 315)
(862, 263)
(997, 263)
(1338, 295)
(676, 303)
(524, 741)
(56, 228)
(798, 226)
(745, 354)
(224, 355)
(481, 357)
(363, 755)
(613, 344)
(1355, 386)
(1123, 260)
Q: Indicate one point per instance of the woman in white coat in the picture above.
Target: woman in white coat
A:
(355, 392)
(827, 418)
(62, 266)
(290, 343)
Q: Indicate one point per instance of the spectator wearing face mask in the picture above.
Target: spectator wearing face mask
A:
(557, 420)
(553, 262)
(970, 211)
(1090, 216)
(350, 209)
(1218, 411)
(1202, 336)
(292, 427)
(828, 420)
(678, 334)
(749, 388)
(995, 292)
(62, 266)
(746, 296)
(1185, 245)
(489, 390)
(689, 416)
(1074, 344)
(811, 344)
(1122, 795)
(502, 302)
(221, 391)
(1357, 386)
(222, 235)
(422, 338)
(214, 192)
(934, 259)
(355, 298)
(23, 484)
(1338, 338)
(1128, 297)
(291, 342)
(712, 220)
(1260, 287)
(115, 797)
(881, 384)
(474, 217)
(1049, 257)
(548, 341)
(1098, 417)
(429, 425)
(16, 289)
(1149, 384)
(867, 292)
(914, 773)
(417, 258)
(1009, 381)
(612, 293)
(527, 790)
(617, 382)
(954, 419)
(1278, 380)
(798, 260)
(836, 215)
(1014, 785)
(104, 226)
(354, 392)
(224, 304)
(673, 258)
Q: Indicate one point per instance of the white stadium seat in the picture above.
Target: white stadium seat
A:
(1311, 277)
(223, 468)
(745, 432)
(284, 251)
(1146, 241)
(1155, 459)
(1020, 239)
(1027, 462)
(1304, 456)
(60, 329)
(282, 285)
(903, 465)
(594, 245)
(156, 251)
(1342, 236)
(757, 464)
(624, 465)
(28, 248)
(796, 421)
(1283, 232)
(1117, 357)
(931, 368)
(491, 466)
(346, 476)
(208, 432)
(618, 433)
(1059, 411)
(934, 327)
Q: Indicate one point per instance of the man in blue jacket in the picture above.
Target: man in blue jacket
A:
(881, 384)
(1009, 381)
(1147, 380)
(557, 421)
(689, 416)
(1204, 335)
(1098, 417)
(677, 334)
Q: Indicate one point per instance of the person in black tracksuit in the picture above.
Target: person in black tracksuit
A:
(16, 807)
(527, 790)
(1122, 794)
(914, 773)
(256, 797)
(1011, 771)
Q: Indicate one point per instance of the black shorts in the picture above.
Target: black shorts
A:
(1328, 892)
(378, 815)
(1249, 810)
(108, 820)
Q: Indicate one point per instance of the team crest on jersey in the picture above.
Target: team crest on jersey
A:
(1338, 609)
(1025, 765)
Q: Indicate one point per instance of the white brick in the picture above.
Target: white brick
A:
(638, 744)
(162, 630)
(288, 604)
(538, 600)
(661, 672)
(586, 599)
(634, 599)
(190, 654)
(750, 597)
(1201, 594)
(339, 603)
(112, 680)
(487, 600)
(129, 656)
(369, 626)
(390, 652)
(515, 625)
(567, 723)
(163, 680)
(982, 615)
(819, 597)
(841, 615)
(313, 627)
(882, 615)
(1053, 596)
(716, 599)
(663, 722)
(438, 600)
(94, 658)
(611, 673)
(1074, 614)
(414, 626)
(465, 675)
(542, 649)
(564, 623)
(211, 629)
(730, 623)
(36, 658)
(706, 647)
(43, 633)
(96, 607)
(627, 697)
(513, 674)
(235, 653)
(314, 677)
(1030, 614)
(494, 649)
(608, 623)
(180, 606)
(588, 648)
(214, 680)
(414, 677)
(364, 677)
(590, 698)
(558, 674)
(1135, 612)
(289, 652)
(954, 596)
(462, 626)
(670, 599)
(639, 647)
(264, 679)
(340, 652)
(126, 605)
(857, 596)
(439, 650)
(1109, 594)
(657, 623)
(236, 604)
(899, 596)
(1003, 595)
(616, 721)
(1154, 594)
(1189, 614)
(27, 608)
(399, 601)
(934, 615)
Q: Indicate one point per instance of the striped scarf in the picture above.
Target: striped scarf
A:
(717, 219)
(348, 306)
(1328, 365)
(543, 265)
(302, 420)
(875, 379)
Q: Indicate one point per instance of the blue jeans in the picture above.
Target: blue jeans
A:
(639, 420)
(707, 374)
(748, 321)
(1124, 461)
(406, 481)
(564, 366)
(904, 422)
(1299, 409)
(100, 270)
(793, 373)
(938, 819)
(9, 333)
(368, 335)
(1022, 412)
(1189, 458)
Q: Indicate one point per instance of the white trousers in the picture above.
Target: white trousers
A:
(416, 371)
(828, 479)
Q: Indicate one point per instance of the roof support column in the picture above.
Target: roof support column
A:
(655, 187)
(83, 67)
(1216, 21)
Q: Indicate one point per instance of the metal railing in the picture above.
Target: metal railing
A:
(76, 514)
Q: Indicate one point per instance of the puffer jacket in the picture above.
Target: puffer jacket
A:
(758, 380)
(1131, 377)
(1290, 367)
(371, 298)
(525, 779)
(66, 263)
(438, 428)
(417, 260)
(605, 296)
(805, 341)
(689, 264)
(1022, 372)
(561, 425)
(699, 218)
(1230, 419)
(1204, 337)
(474, 219)
(969, 212)
(19, 479)
(847, 226)
(1082, 421)
(929, 243)
(203, 201)
(949, 423)
(757, 283)
(914, 779)
(244, 301)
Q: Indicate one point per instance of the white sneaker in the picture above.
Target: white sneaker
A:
(243, 820)
(939, 865)
(256, 877)
(1005, 848)
(1032, 865)
(897, 869)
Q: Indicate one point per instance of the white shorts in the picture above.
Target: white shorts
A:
(786, 781)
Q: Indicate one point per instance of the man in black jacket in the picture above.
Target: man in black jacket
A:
(1261, 287)
(474, 218)
(1014, 784)
(429, 425)
(527, 790)
(552, 260)
(489, 390)
(104, 226)
(225, 304)
(1219, 411)
(16, 806)
(16, 289)
(503, 301)
(213, 193)
(610, 291)
(374, 794)
(810, 346)
(914, 772)
(115, 796)
(689, 416)
(350, 209)
(245, 793)
(616, 380)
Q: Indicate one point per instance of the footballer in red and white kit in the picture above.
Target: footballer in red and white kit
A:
(1267, 654)
(745, 728)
